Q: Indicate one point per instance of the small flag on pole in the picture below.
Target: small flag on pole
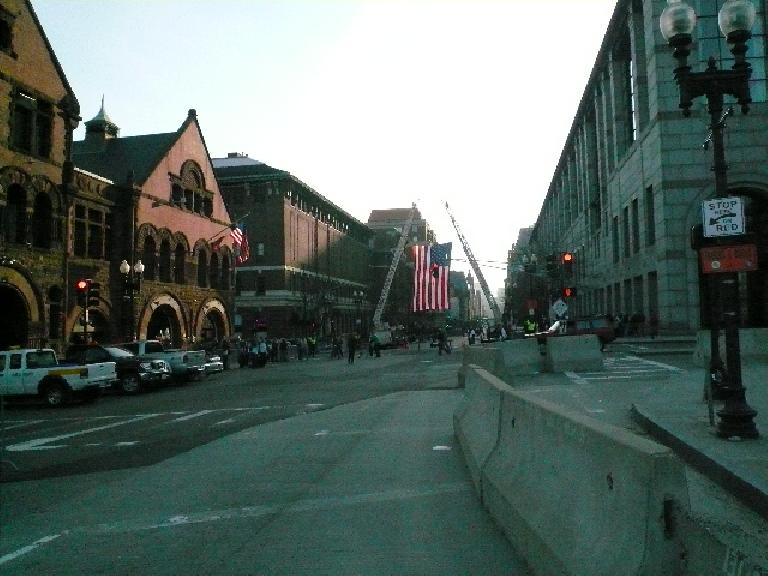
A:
(240, 242)
(430, 278)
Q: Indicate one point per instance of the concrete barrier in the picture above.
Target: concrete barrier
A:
(519, 357)
(753, 343)
(573, 495)
(485, 356)
(573, 354)
(476, 423)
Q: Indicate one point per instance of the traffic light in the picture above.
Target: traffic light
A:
(81, 287)
(569, 292)
(566, 259)
(93, 294)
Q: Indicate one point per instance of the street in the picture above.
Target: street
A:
(317, 467)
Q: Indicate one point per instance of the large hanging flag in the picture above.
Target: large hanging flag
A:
(430, 278)
(240, 242)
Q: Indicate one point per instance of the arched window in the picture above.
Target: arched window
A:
(225, 273)
(178, 264)
(149, 258)
(214, 270)
(202, 269)
(42, 222)
(165, 261)
(16, 219)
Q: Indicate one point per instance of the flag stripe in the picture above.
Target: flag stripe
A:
(431, 277)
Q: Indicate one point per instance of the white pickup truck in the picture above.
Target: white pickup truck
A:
(37, 372)
(185, 364)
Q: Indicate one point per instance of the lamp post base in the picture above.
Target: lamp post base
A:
(736, 418)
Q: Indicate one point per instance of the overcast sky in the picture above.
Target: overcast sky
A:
(373, 103)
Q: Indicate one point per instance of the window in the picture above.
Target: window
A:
(260, 249)
(149, 258)
(202, 269)
(92, 233)
(6, 31)
(16, 215)
(178, 264)
(165, 261)
(31, 125)
(615, 238)
(635, 226)
(42, 221)
(650, 217)
(627, 250)
(15, 363)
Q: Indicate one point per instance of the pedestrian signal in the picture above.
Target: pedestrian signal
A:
(81, 287)
(569, 292)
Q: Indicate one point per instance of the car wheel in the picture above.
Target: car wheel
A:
(130, 384)
(55, 394)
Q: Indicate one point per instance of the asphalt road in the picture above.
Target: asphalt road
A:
(314, 468)
(129, 431)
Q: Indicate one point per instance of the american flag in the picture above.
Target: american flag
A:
(430, 278)
(240, 241)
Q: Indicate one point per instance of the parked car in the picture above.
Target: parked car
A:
(37, 372)
(185, 364)
(213, 362)
(134, 373)
(600, 326)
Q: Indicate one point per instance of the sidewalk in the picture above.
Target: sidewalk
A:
(679, 419)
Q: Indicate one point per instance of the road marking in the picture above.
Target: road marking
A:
(659, 364)
(21, 425)
(40, 443)
(28, 549)
(227, 421)
(131, 443)
(441, 448)
(191, 416)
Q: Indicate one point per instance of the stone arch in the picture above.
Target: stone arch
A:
(163, 310)
(212, 316)
(23, 310)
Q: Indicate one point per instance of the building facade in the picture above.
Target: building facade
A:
(38, 113)
(308, 268)
(387, 227)
(152, 199)
(633, 174)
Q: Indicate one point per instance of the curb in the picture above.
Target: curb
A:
(751, 496)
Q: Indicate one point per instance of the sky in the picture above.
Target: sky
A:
(373, 103)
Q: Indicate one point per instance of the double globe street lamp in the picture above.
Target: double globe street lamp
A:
(131, 285)
(735, 19)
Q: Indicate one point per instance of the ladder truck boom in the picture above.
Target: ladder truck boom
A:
(392, 268)
(478, 273)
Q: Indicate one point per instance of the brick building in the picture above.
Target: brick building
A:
(163, 208)
(38, 112)
(307, 272)
(387, 227)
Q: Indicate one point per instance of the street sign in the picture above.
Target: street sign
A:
(723, 217)
(559, 307)
(720, 259)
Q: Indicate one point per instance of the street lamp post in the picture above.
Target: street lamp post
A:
(131, 286)
(529, 266)
(735, 19)
(359, 295)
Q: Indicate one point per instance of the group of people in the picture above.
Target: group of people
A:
(353, 344)
(257, 352)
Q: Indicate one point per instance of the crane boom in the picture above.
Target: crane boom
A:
(471, 257)
(392, 268)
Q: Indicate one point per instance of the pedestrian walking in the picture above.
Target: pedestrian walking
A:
(225, 353)
(351, 348)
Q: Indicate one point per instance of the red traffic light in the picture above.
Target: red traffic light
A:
(569, 292)
(567, 257)
(81, 285)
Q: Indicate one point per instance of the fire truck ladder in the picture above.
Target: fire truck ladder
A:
(478, 273)
(392, 268)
